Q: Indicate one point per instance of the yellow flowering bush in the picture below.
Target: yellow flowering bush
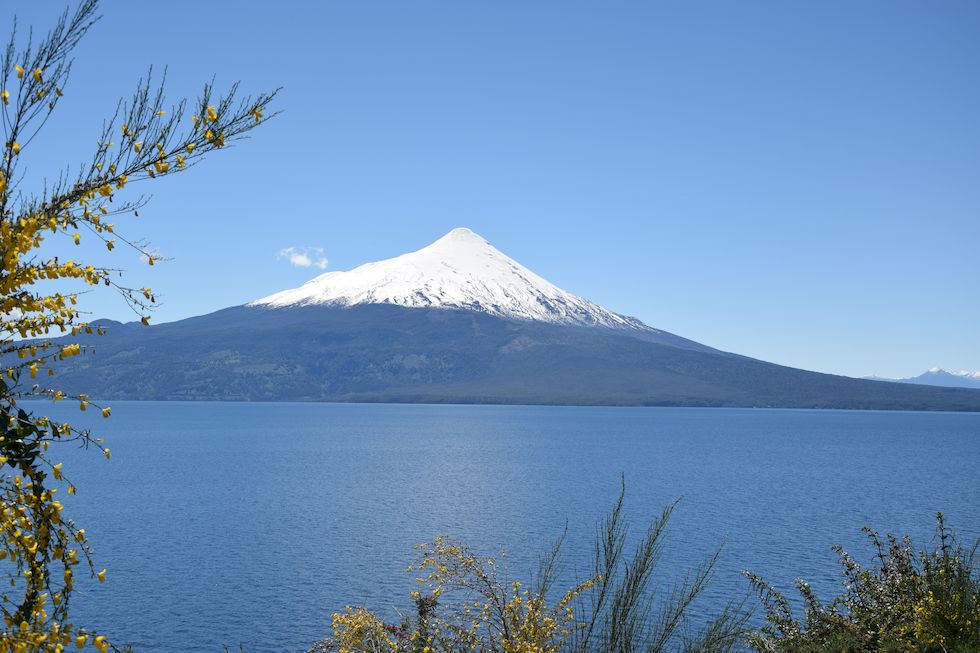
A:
(487, 615)
(42, 551)
(358, 630)
(464, 604)
(490, 613)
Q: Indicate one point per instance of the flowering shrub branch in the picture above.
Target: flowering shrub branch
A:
(464, 605)
(145, 139)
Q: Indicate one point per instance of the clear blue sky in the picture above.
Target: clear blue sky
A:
(798, 182)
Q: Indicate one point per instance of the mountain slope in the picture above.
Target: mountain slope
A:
(384, 352)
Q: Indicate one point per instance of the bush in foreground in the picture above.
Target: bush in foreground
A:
(904, 602)
(467, 605)
(926, 602)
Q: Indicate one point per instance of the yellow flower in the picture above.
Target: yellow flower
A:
(161, 113)
(37, 74)
(20, 71)
(190, 147)
(77, 239)
(137, 146)
(5, 94)
(256, 113)
(106, 411)
(101, 576)
(212, 114)
(109, 244)
(16, 148)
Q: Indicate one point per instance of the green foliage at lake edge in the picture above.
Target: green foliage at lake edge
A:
(905, 601)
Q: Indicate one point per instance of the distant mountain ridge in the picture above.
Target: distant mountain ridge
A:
(939, 377)
(457, 321)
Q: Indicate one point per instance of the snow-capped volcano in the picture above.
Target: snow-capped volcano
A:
(460, 270)
(384, 332)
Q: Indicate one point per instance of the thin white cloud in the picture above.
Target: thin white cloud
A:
(304, 257)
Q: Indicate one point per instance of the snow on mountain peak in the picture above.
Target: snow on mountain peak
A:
(464, 233)
(460, 270)
(967, 374)
(962, 373)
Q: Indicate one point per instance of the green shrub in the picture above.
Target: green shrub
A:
(905, 602)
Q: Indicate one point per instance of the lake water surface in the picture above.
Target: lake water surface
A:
(234, 523)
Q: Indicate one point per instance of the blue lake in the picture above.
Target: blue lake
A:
(227, 523)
